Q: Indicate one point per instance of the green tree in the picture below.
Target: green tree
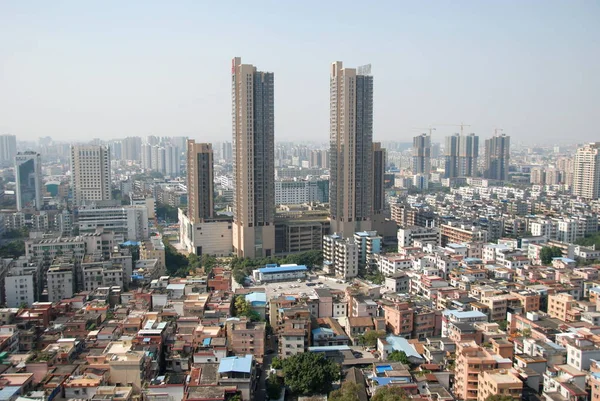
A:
(244, 308)
(348, 392)
(310, 373)
(370, 337)
(398, 356)
(389, 393)
(276, 363)
(177, 263)
(498, 397)
(274, 386)
(208, 262)
(547, 253)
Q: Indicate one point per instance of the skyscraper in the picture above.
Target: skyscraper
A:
(200, 181)
(468, 153)
(351, 149)
(586, 175)
(28, 172)
(451, 156)
(460, 155)
(90, 173)
(422, 155)
(8, 149)
(253, 160)
(497, 157)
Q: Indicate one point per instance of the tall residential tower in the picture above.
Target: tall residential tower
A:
(253, 160)
(200, 181)
(351, 149)
(497, 157)
(586, 174)
(90, 173)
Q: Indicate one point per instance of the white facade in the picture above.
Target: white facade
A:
(19, 284)
(392, 264)
(60, 282)
(340, 256)
(130, 221)
(90, 173)
(407, 236)
(586, 174)
(297, 192)
(211, 237)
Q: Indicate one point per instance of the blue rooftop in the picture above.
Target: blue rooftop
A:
(241, 364)
(282, 269)
(565, 260)
(257, 298)
(402, 344)
(8, 392)
(322, 330)
(206, 341)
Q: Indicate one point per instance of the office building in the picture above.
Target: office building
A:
(298, 192)
(90, 173)
(28, 175)
(351, 149)
(497, 157)
(8, 149)
(586, 174)
(253, 160)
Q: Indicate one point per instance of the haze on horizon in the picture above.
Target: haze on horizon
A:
(75, 70)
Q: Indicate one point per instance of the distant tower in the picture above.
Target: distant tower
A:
(253, 160)
(379, 161)
(497, 157)
(200, 181)
(586, 177)
(451, 156)
(468, 154)
(28, 172)
(422, 155)
(90, 173)
(8, 149)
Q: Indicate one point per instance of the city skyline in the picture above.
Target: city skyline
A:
(483, 66)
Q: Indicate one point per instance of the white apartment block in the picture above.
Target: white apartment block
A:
(60, 280)
(129, 221)
(340, 256)
(20, 283)
(586, 173)
(407, 236)
(392, 264)
(90, 173)
(297, 192)
(47, 249)
(97, 274)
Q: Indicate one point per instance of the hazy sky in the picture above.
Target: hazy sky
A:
(109, 69)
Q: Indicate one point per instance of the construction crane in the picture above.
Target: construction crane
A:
(461, 125)
(430, 129)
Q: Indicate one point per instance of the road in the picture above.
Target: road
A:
(261, 392)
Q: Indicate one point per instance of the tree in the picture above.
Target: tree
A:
(498, 397)
(244, 308)
(390, 393)
(177, 264)
(348, 392)
(274, 386)
(370, 337)
(547, 253)
(276, 363)
(310, 373)
(398, 356)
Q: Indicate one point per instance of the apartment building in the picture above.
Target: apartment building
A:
(560, 304)
(61, 281)
(501, 382)
(425, 235)
(246, 337)
(340, 256)
(455, 233)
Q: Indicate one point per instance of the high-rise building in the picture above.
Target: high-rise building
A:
(172, 160)
(28, 174)
(351, 149)
(468, 153)
(379, 160)
(226, 151)
(586, 172)
(497, 157)
(461, 155)
(146, 156)
(253, 160)
(90, 173)
(422, 155)
(8, 149)
(131, 148)
(200, 181)
(451, 156)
